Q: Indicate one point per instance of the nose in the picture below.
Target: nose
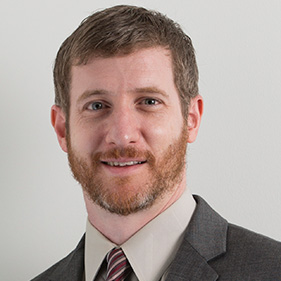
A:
(123, 128)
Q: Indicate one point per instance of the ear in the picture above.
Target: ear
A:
(194, 117)
(59, 123)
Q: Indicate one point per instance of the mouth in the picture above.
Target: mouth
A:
(122, 163)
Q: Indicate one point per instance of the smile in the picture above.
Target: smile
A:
(122, 164)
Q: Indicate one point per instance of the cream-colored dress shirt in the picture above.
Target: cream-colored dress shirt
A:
(149, 251)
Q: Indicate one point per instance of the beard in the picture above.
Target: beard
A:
(124, 195)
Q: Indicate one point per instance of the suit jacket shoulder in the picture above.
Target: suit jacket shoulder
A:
(249, 256)
(213, 249)
(71, 268)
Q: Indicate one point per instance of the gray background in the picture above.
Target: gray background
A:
(234, 164)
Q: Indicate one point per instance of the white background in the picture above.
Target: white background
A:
(234, 164)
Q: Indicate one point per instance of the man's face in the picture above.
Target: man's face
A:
(127, 137)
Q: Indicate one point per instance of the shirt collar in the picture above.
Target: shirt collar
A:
(148, 251)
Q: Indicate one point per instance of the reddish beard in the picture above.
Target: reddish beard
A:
(117, 195)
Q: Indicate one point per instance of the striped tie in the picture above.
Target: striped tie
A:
(117, 265)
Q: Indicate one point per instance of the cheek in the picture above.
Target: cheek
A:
(84, 140)
(160, 136)
(169, 125)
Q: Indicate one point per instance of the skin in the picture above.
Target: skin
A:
(138, 106)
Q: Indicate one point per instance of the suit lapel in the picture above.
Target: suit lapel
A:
(205, 239)
(190, 265)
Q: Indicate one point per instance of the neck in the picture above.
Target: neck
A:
(118, 229)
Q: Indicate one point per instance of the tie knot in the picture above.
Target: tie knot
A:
(117, 265)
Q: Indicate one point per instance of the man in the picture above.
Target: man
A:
(126, 106)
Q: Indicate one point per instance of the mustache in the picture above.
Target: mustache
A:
(127, 152)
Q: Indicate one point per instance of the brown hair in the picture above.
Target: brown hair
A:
(120, 30)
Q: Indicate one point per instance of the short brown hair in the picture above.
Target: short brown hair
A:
(120, 30)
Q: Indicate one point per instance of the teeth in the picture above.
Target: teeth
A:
(122, 164)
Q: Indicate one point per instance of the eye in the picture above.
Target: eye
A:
(95, 106)
(150, 101)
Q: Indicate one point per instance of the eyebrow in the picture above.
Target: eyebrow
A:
(88, 94)
(151, 90)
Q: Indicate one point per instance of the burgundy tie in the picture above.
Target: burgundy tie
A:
(118, 267)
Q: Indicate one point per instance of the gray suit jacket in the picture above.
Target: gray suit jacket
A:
(212, 249)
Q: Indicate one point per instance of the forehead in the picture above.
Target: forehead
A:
(150, 67)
